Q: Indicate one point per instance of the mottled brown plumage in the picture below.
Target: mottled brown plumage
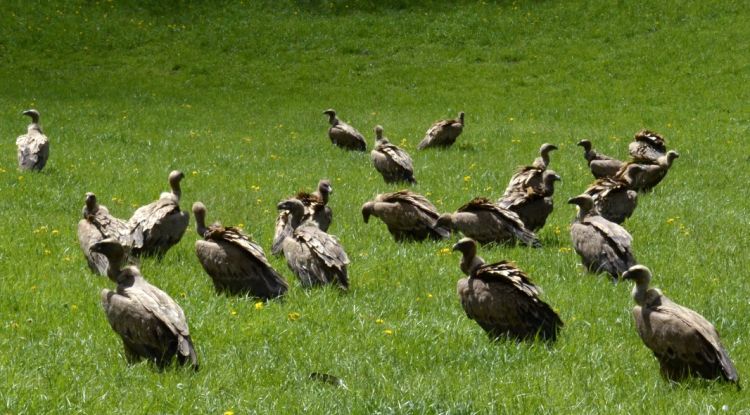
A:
(443, 133)
(487, 222)
(531, 175)
(502, 299)
(649, 175)
(647, 147)
(614, 198)
(533, 206)
(683, 341)
(601, 165)
(316, 209)
(97, 224)
(33, 147)
(343, 134)
(408, 216)
(392, 162)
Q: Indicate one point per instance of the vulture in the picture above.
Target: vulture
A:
(502, 299)
(615, 198)
(601, 166)
(97, 224)
(683, 341)
(151, 324)
(393, 163)
(533, 206)
(33, 147)
(408, 216)
(647, 147)
(316, 208)
(314, 256)
(443, 133)
(343, 134)
(487, 222)
(159, 225)
(649, 175)
(531, 176)
(235, 264)
(604, 246)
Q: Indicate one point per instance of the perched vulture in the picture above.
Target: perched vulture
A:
(649, 175)
(487, 222)
(159, 225)
(443, 133)
(614, 198)
(502, 299)
(604, 246)
(314, 256)
(235, 264)
(531, 176)
(408, 215)
(647, 147)
(533, 206)
(391, 161)
(343, 134)
(151, 324)
(33, 147)
(97, 224)
(601, 166)
(683, 341)
(316, 208)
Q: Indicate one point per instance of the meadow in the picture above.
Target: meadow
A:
(232, 93)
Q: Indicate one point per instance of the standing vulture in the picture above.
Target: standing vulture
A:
(533, 205)
(33, 147)
(316, 209)
(443, 133)
(159, 225)
(314, 256)
(97, 224)
(235, 264)
(531, 176)
(601, 165)
(647, 147)
(408, 215)
(615, 198)
(604, 246)
(649, 175)
(502, 299)
(343, 134)
(683, 341)
(151, 324)
(391, 161)
(487, 222)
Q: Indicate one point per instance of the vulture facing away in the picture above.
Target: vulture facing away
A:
(393, 163)
(151, 324)
(443, 133)
(647, 147)
(683, 341)
(533, 205)
(97, 224)
(343, 134)
(486, 222)
(604, 246)
(502, 299)
(408, 215)
(532, 175)
(160, 225)
(649, 175)
(235, 264)
(316, 208)
(614, 198)
(33, 147)
(315, 257)
(601, 165)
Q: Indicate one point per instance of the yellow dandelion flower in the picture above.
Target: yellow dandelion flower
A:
(74, 307)
(445, 251)
(388, 332)
(241, 225)
(183, 294)
(67, 259)
(13, 325)
(379, 321)
(33, 288)
(511, 119)
(229, 412)
(55, 232)
(564, 250)
(259, 305)
(255, 187)
(20, 178)
(467, 178)
(670, 221)
(429, 295)
(47, 252)
(2, 170)
(233, 312)
(195, 172)
(294, 316)
(557, 230)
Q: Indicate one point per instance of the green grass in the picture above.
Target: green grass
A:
(232, 94)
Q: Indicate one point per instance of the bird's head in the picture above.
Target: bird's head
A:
(466, 246)
(34, 114)
(445, 220)
(324, 187)
(546, 148)
(584, 201)
(638, 273)
(367, 210)
(586, 144)
(378, 133)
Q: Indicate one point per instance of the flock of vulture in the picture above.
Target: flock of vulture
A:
(499, 296)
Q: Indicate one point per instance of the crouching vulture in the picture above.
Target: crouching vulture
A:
(615, 198)
(649, 175)
(601, 165)
(443, 133)
(531, 175)
(343, 134)
(532, 205)
(408, 216)
(392, 162)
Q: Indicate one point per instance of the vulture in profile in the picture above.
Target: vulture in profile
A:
(443, 133)
(315, 257)
(408, 215)
(502, 299)
(97, 224)
(235, 264)
(531, 176)
(615, 198)
(647, 147)
(33, 147)
(151, 324)
(316, 208)
(601, 165)
(683, 341)
(391, 161)
(159, 225)
(604, 246)
(649, 175)
(487, 222)
(533, 205)
(343, 134)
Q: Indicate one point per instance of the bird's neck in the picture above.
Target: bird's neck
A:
(34, 127)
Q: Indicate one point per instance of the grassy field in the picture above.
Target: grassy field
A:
(232, 94)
